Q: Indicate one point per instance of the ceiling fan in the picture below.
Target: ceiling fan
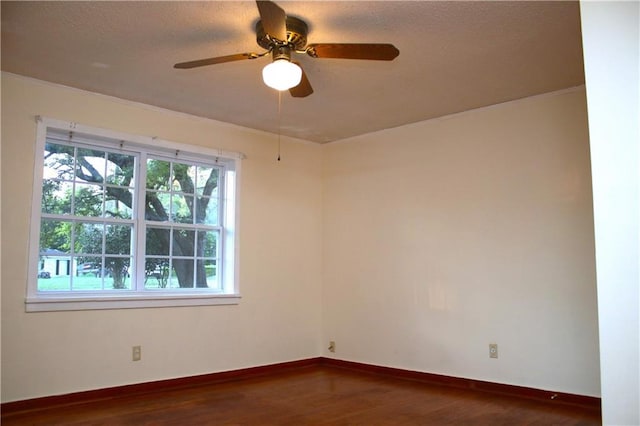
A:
(282, 35)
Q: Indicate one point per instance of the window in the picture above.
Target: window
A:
(125, 221)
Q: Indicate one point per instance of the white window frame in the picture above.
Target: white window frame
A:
(139, 297)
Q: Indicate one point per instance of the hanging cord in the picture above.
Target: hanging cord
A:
(279, 120)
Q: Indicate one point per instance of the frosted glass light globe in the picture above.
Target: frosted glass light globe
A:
(282, 74)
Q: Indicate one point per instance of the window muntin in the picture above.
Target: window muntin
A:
(125, 220)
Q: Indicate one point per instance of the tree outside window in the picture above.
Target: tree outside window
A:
(88, 214)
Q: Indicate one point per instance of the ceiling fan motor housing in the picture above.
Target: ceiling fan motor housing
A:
(296, 35)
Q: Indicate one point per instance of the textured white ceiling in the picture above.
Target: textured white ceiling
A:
(454, 56)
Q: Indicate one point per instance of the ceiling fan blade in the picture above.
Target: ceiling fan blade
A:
(371, 51)
(303, 89)
(218, 60)
(274, 20)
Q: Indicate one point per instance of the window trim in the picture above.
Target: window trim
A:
(37, 301)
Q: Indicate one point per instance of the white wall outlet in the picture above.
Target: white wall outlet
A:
(332, 346)
(136, 353)
(493, 350)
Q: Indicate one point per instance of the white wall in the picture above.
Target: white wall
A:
(611, 40)
(413, 248)
(444, 236)
(278, 318)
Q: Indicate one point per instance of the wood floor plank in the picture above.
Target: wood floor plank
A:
(316, 395)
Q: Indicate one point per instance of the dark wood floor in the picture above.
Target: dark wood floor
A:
(316, 395)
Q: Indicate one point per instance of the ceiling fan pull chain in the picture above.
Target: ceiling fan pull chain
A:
(279, 120)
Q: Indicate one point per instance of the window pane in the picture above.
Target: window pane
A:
(182, 208)
(88, 274)
(89, 266)
(56, 196)
(120, 169)
(118, 239)
(207, 242)
(207, 211)
(54, 267)
(192, 174)
(157, 206)
(183, 242)
(55, 237)
(156, 273)
(206, 180)
(158, 174)
(157, 241)
(182, 273)
(88, 238)
(58, 162)
(118, 203)
(207, 274)
(90, 165)
(88, 200)
(183, 178)
(117, 273)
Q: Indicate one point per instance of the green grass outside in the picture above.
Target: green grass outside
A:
(86, 283)
(91, 283)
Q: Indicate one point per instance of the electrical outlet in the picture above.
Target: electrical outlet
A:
(332, 346)
(136, 353)
(493, 350)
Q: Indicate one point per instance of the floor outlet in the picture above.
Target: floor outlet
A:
(136, 353)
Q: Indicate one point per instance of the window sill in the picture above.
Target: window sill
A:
(57, 303)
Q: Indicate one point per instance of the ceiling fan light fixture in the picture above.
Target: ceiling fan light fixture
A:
(281, 74)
